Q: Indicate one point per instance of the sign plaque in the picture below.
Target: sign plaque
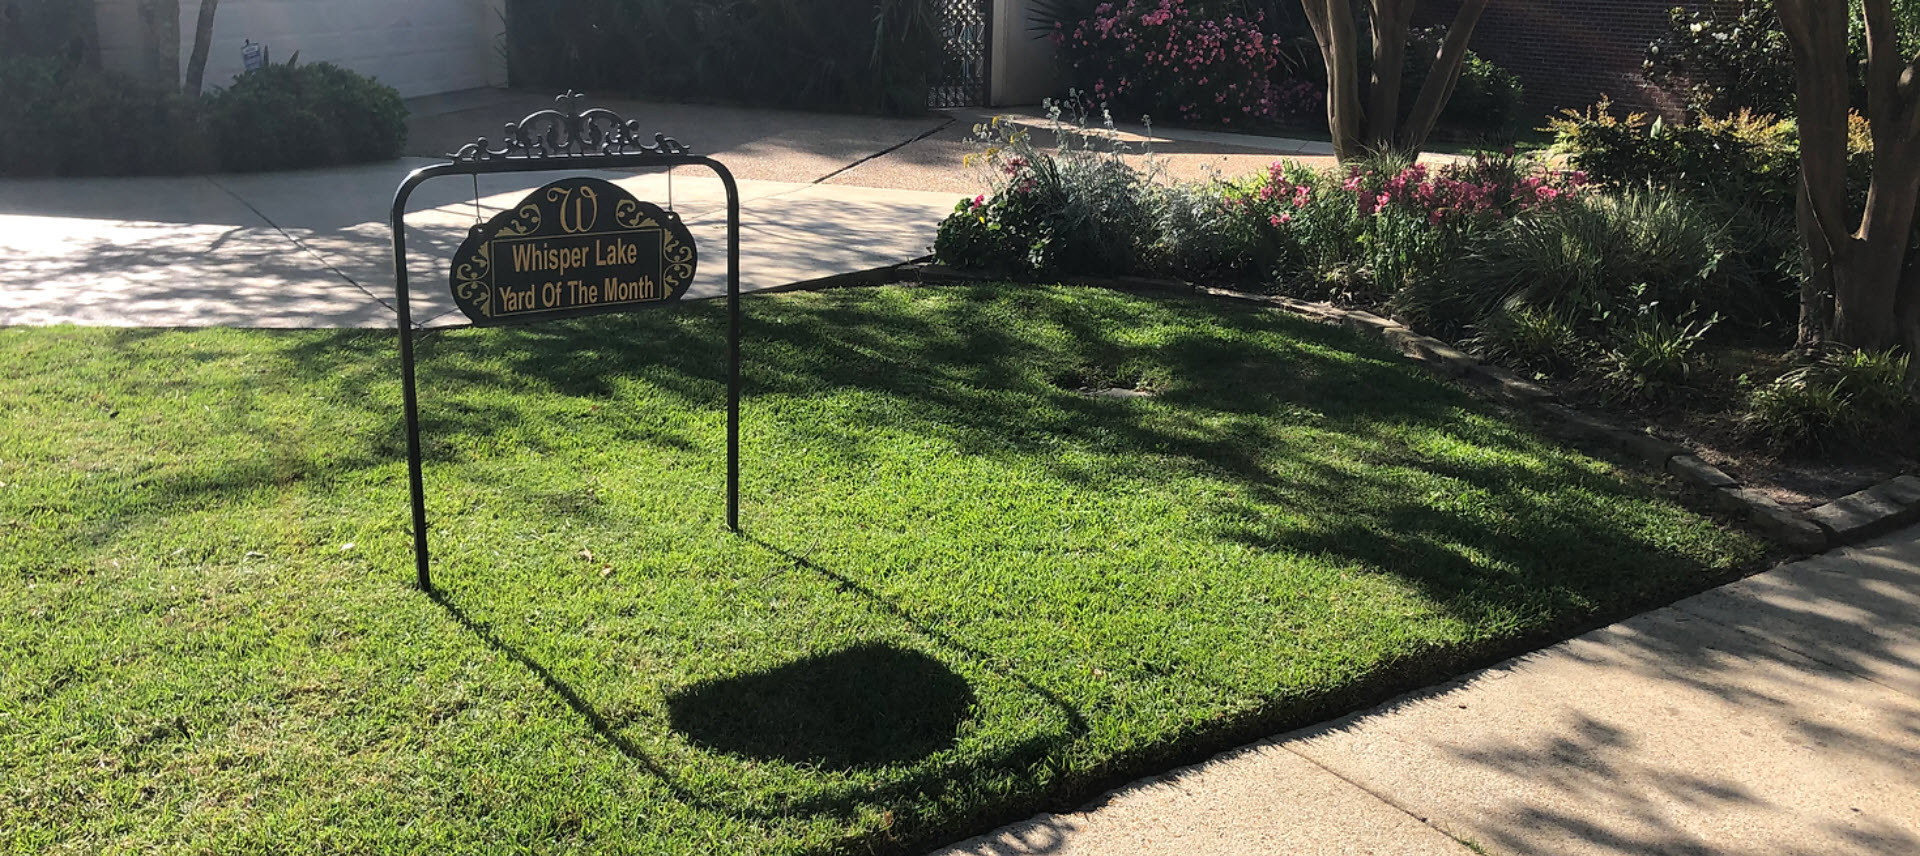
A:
(578, 246)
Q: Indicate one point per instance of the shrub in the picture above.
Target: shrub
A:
(1073, 211)
(966, 239)
(1746, 157)
(149, 132)
(1728, 57)
(1725, 58)
(1163, 58)
(291, 116)
(1741, 169)
(1599, 259)
(1832, 399)
(1197, 234)
(1651, 358)
(1533, 339)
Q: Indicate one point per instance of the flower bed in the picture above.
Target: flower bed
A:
(1644, 300)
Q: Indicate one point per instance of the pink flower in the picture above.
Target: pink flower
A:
(979, 200)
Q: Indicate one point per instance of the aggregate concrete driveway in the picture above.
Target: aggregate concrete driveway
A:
(314, 249)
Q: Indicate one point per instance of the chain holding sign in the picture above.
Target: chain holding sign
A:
(578, 246)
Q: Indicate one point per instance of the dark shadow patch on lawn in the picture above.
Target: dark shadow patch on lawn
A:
(865, 706)
(1076, 722)
(924, 778)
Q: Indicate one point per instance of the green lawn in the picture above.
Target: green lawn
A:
(963, 590)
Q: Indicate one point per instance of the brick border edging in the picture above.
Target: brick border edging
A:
(1847, 520)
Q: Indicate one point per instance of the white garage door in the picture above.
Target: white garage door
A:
(420, 47)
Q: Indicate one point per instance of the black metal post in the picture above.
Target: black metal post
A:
(477, 160)
(408, 386)
(733, 349)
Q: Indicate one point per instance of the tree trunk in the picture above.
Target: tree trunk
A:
(1333, 28)
(1868, 292)
(1438, 88)
(202, 43)
(1817, 32)
(1390, 25)
(1816, 282)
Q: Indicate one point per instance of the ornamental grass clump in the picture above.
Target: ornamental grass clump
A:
(1836, 399)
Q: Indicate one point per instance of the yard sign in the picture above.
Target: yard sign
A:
(578, 246)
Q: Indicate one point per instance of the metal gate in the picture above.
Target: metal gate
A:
(966, 43)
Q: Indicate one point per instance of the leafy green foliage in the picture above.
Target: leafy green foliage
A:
(1651, 358)
(1601, 259)
(291, 116)
(1074, 210)
(281, 117)
(1725, 58)
(1746, 157)
(1488, 101)
(971, 592)
(42, 98)
(856, 55)
(1521, 336)
(1837, 398)
(1741, 170)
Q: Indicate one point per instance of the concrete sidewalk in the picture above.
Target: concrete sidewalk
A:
(1778, 715)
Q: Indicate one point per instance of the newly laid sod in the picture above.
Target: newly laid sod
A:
(964, 588)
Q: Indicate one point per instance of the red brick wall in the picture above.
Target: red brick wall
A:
(1568, 53)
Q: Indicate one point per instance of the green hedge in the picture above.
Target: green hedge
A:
(58, 118)
(281, 117)
(292, 116)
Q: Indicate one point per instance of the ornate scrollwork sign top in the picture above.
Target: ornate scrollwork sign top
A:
(570, 132)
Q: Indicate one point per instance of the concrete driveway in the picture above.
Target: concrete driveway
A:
(314, 249)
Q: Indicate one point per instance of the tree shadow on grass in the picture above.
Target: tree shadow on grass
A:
(864, 706)
(1477, 534)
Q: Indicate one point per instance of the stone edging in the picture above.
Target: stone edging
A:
(1850, 519)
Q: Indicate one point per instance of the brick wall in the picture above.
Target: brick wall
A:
(1568, 53)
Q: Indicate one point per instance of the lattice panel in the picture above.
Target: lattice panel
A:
(965, 28)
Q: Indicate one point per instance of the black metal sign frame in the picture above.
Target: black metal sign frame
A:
(551, 141)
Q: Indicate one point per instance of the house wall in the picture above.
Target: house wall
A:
(420, 47)
(1023, 69)
(1568, 53)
